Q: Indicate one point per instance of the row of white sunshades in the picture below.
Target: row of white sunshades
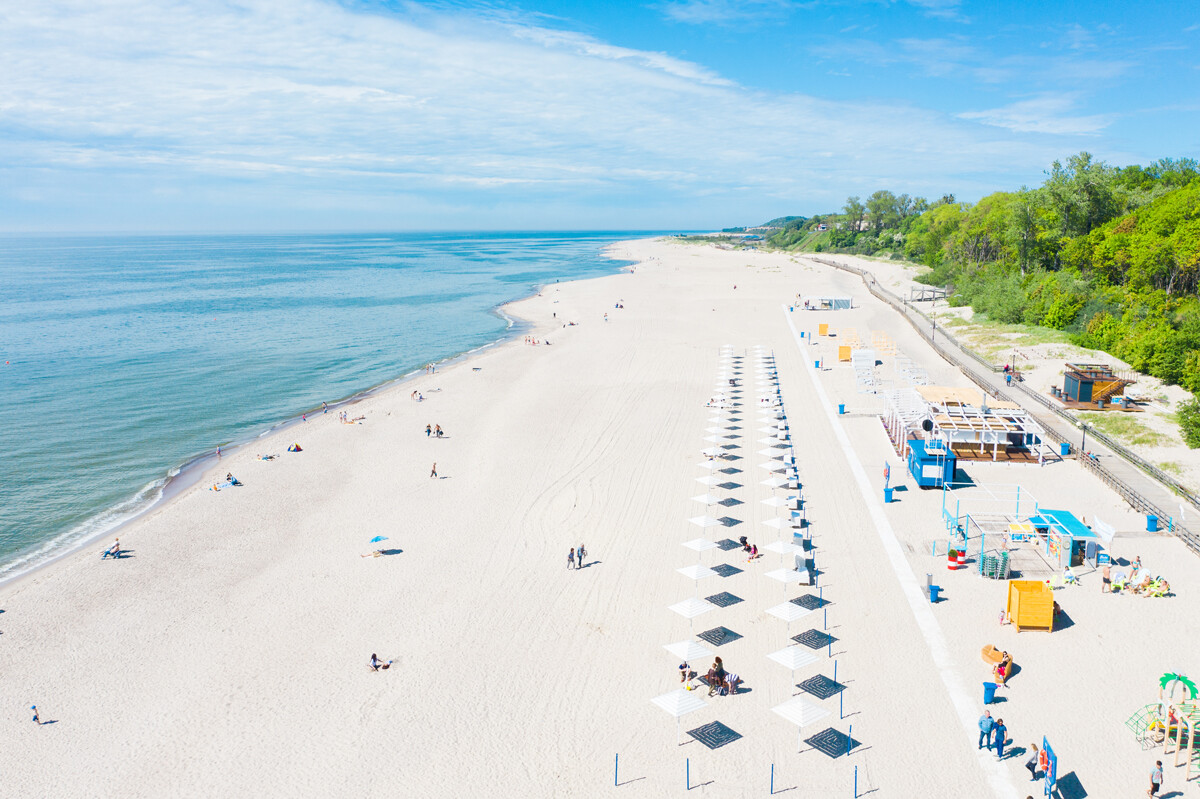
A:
(798, 710)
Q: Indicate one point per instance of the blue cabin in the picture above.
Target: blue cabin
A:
(929, 464)
(1066, 538)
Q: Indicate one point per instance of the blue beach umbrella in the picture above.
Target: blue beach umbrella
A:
(378, 538)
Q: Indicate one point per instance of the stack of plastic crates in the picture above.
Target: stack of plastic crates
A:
(995, 567)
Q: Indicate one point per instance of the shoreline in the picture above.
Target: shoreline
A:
(179, 480)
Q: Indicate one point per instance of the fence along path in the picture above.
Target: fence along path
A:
(1145, 487)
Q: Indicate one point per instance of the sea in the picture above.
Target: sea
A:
(126, 361)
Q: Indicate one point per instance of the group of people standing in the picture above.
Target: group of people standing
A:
(575, 557)
(993, 734)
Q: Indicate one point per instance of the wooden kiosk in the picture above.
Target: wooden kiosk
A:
(1030, 605)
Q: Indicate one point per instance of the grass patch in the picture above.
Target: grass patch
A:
(995, 340)
(1171, 467)
(1126, 427)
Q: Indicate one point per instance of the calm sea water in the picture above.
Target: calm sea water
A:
(122, 359)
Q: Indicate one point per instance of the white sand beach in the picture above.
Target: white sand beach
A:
(228, 654)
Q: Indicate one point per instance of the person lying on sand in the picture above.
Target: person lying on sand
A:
(267, 457)
(233, 481)
(376, 554)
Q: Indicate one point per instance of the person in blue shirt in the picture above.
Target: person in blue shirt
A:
(1001, 735)
(985, 729)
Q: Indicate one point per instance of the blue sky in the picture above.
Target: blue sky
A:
(280, 115)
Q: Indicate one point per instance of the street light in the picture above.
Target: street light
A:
(1083, 446)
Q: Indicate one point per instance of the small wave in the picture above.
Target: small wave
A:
(95, 527)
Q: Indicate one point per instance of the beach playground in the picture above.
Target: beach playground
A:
(742, 473)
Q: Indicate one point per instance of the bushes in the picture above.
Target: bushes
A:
(1189, 421)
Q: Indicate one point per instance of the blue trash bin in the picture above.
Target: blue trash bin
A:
(887, 494)
(1064, 448)
(1151, 524)
(841, 408)
(935, 591)
(989, 692)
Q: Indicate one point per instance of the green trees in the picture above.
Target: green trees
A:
(1084, 194)
(1189, 420)
(854, 212)
(1109, 254)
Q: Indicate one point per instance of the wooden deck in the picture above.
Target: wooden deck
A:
(1091, 406)
(970, 452)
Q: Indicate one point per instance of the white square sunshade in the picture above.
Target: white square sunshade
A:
(788, 611)
(793, 657)
(691, 650)
(800, 711)
(700, 544)
(691, 608)
(680, 702)
(696, 572)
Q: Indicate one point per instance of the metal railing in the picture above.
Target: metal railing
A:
(1127, 492)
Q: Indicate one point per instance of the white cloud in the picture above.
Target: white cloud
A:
(944, 9)
(720, 12)
(1047, 113)
(297, 103)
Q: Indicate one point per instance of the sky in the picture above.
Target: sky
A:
(349, 115)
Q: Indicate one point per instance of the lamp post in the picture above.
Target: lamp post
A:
(1083, 445)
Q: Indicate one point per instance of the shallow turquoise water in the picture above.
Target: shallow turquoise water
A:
(122, 359)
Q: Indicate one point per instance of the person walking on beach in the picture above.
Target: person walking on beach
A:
(571, 558)
(1000, 733)
(324, 407)
(1156, 778)
(1032, 762)
(428, 430)
(36, 719)
(437, 430)
(580, 555)
(433, 471)
(1106, 579)
(986, 723)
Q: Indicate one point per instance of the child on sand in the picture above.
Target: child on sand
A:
(571, 558)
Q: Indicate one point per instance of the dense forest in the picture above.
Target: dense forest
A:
(1111, 255)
